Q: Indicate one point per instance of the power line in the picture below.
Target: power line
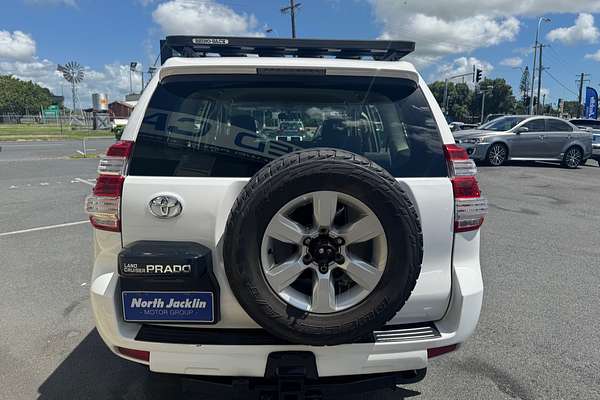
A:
(560, 83)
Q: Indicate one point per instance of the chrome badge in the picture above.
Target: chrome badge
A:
(165, 206)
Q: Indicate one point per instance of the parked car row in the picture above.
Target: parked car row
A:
(531, 138)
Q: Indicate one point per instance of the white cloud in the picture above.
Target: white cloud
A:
(593, 56)
(203, 17)
(460, 66)
(512, 62)
(16, 46)
(442, 27)
(112, 79)
(17, 58)
(584, 30)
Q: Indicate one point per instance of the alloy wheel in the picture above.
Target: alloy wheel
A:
(497, 155)
(324, 252)
(573, 157)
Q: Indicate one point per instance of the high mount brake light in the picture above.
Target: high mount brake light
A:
(470, 208)
(104, 204)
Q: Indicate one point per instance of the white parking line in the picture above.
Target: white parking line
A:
(84, 181)
(43, 228)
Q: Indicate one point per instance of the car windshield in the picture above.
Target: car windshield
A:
(234, 125)
(502, 124)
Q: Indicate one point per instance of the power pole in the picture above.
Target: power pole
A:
(581, 81)
(539, 88)
(292, 10)
(543, 102)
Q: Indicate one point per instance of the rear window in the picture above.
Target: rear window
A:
(231, 126)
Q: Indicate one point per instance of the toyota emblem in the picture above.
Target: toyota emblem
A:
(165, 206)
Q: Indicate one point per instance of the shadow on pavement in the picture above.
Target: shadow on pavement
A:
(91, 371)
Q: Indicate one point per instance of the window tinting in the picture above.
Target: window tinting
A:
(555, 125)
(536, 125)
(231, 126)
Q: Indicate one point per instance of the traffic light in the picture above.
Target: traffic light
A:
(478, 75)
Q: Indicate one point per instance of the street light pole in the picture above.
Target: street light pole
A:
(130, 82)
(537, 36)
(483, 92)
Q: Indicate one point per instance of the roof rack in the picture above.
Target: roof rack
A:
(206, 46)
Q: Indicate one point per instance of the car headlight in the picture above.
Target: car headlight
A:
(474, 140)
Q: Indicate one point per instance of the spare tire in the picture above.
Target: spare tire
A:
(322, 247)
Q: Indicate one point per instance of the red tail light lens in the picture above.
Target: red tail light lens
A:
(103, 206)
(470, 208)
(109, 185)
(120, 149)
(465, 187)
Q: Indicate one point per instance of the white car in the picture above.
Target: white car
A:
(352, 255)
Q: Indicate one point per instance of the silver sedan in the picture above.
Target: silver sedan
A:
(538, 138)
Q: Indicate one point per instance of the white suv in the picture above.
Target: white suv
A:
(221, 250)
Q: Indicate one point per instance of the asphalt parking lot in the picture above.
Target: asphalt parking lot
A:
(537, 337)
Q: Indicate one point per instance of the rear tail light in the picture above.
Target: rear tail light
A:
(470, 208)
(104, 204)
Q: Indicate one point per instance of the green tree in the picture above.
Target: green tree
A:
(570, 108)
(459, 98)
(437, 88)
(524, 85)
(21, 97)
(498, 100)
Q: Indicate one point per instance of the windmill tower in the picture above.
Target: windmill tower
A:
(73, 73)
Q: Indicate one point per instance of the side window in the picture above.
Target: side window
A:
(555, 125)
(536, 125)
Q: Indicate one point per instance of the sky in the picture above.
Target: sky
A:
(451, 36)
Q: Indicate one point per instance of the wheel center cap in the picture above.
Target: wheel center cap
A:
(323, 250)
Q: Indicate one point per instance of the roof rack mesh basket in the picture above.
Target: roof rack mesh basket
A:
(207, 46)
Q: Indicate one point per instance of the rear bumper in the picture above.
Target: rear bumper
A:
(596, 151)
(233, 359)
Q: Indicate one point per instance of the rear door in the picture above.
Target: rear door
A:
(530, 144)
(199, 142)
(557, 137)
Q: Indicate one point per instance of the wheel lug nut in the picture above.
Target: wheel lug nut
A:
(339, 259)
(307, 241)
(340, 241)
(307, 259)
(323, 269)
(321, 250)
